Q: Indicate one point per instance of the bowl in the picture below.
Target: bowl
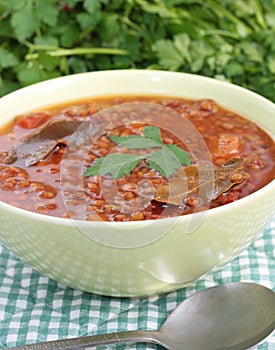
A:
(136, 258)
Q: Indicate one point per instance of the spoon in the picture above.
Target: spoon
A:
(233, 316)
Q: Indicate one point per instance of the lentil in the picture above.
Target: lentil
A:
(37, 188)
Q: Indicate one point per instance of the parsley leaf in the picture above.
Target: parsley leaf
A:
(164, 161)
(47, 12)
(7, 58)
(167, 160)
(151, 139)
(115, 164)
(169, 55)
(25, 21)
(228, 40)
(182, 155)
(135, 142)
(153, 133)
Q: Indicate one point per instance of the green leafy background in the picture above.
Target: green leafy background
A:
(231, 40)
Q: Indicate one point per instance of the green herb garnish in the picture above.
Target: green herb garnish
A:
(227, 40)
(166, 160)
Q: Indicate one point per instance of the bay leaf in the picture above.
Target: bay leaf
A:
(204, 181)
(37, 145)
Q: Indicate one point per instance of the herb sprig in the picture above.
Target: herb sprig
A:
(227, 40)
(166, 160)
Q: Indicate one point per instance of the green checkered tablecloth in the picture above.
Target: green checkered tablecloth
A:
(34, 308)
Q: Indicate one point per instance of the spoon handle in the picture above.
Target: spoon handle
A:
(93, 340)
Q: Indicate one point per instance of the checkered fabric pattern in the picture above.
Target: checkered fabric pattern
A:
(34, 308)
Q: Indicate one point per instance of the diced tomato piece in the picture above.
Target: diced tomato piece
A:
(225, 146)
(33, 120)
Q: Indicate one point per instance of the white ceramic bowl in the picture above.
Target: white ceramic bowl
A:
(171, 252)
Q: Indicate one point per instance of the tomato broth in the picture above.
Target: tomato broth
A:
(34, 182)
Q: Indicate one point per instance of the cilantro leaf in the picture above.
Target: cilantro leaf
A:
(115, 164)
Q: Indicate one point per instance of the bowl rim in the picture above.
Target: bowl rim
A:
(213, 211)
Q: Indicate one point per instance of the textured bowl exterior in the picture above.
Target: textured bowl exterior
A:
(74, 252)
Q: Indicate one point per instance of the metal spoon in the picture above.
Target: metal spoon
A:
(232, 316)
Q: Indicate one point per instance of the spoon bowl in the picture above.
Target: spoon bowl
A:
(233, 316)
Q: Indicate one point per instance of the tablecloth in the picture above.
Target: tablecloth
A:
(34, 308)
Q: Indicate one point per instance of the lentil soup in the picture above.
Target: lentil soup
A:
(34, 183)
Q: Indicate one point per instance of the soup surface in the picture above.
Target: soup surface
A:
(199, 157)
